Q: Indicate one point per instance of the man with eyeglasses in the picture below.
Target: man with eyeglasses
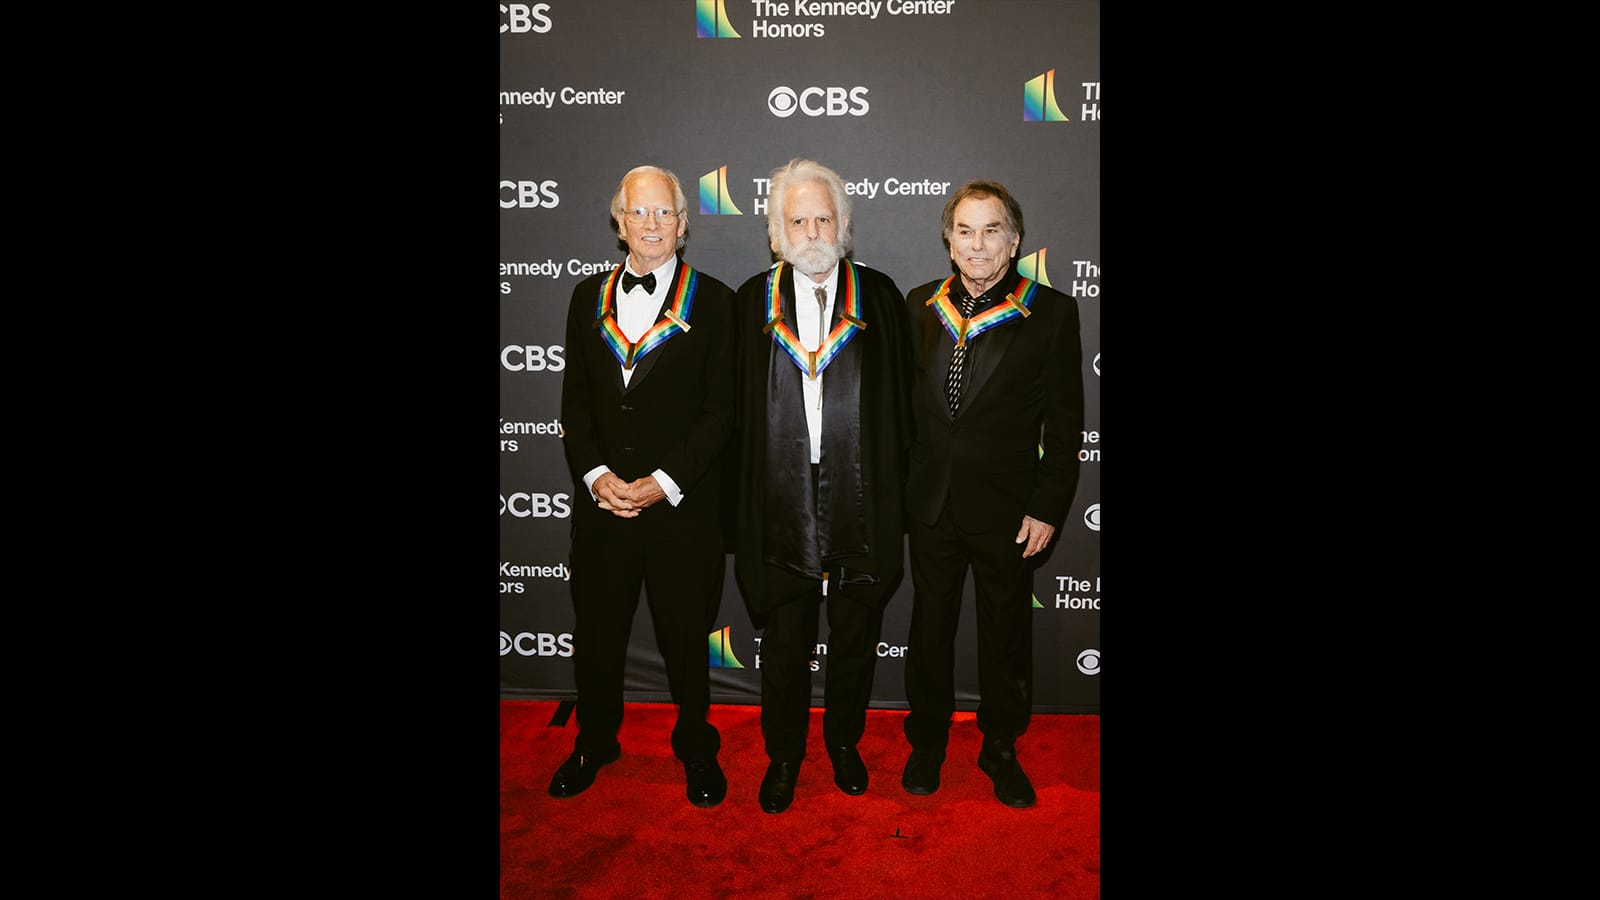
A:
(998, 401)
(647, 406)
(824, 426)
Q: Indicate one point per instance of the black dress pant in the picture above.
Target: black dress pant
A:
(682, 575)
(855, 624)
(1003, 587)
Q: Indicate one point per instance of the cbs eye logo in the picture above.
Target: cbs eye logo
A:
(525, 505)
(1089, 662)
(816, 101)
(528, 643)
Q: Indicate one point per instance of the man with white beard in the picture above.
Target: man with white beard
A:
(823, 430)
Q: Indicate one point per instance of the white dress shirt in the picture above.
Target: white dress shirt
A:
(807, 319)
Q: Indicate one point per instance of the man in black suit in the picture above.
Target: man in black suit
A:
(824, 425)
(647, 406)
(998, 402)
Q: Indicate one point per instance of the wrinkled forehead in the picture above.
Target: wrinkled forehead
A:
(980, 212)
(808, 199)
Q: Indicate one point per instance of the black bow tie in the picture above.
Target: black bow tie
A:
(629, 280)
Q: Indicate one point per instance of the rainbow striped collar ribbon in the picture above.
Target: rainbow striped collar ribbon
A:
(675, 320)
(812, 363)
(1017, 303)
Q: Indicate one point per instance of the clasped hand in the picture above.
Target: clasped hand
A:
(626, 498)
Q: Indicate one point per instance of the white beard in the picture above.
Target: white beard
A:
(814, 258)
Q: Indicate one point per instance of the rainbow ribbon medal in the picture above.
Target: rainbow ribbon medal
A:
(961, 329)
(674, 321)
(849, 322)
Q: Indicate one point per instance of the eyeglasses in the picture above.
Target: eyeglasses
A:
(637, 215)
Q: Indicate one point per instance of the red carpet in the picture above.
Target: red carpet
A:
(634, 835)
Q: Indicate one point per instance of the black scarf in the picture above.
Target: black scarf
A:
(801, 536)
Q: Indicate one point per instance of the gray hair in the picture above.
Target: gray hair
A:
(978, 189)
(801, 171)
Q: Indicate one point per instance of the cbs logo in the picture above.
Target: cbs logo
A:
(1088, 662)
(526, 643)
(520, 17)
(524, 505)
(533, 358)
(815, 101)
(529, 194)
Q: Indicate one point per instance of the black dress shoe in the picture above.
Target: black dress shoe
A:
(777, 788)
(1011, 786)
(849, 772)
(922, 772)
(577, 773)
(707, 784)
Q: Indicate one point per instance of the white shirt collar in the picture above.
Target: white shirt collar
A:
(663, 272)
(804, 286)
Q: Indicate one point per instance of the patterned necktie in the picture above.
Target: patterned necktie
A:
(822, 315)
(952, 384)
(629, 280)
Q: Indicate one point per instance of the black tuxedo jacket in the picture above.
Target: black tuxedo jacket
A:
(1024, 390)
(675, 414)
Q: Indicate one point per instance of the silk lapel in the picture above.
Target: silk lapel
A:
(605, 349)
(936, 349)
(994, 344)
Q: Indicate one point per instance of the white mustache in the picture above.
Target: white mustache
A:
(812, 256)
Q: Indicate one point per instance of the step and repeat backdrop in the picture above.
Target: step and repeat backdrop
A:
(906, 100)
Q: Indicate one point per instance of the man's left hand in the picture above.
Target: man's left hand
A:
(1035, 534)
(644, 491)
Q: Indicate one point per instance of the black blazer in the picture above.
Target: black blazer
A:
(1024, 390)
(676, 413)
